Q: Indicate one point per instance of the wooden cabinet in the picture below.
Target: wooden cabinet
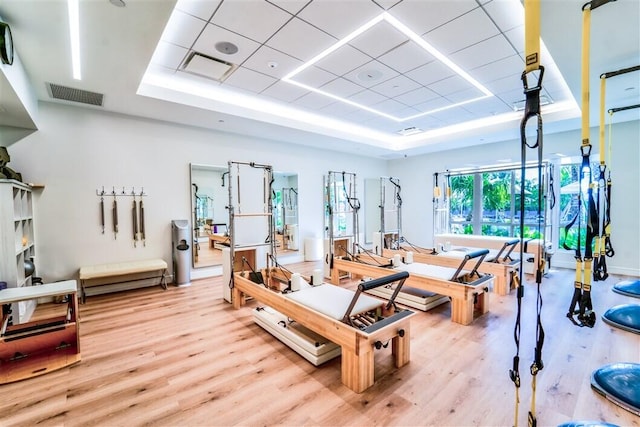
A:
(16, 242)
(44, 344)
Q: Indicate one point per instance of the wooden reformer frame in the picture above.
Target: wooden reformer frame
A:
(357, 345)
(467, 298)
(502, 267)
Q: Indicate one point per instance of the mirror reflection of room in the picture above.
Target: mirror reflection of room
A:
(209, 198)
(285, 212)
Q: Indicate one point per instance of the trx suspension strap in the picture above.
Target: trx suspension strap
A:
(603, 247)
(532, 110)
(582, 283)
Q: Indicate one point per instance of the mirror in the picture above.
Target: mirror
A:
(209, 215)
(285, 212)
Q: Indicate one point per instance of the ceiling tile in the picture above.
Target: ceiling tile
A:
(505, 84)
(300, 40)
(453, 115)
(249, 80)
(506, 14)
(389, 106)
(386, 4)
(512, 97)
(202, 9)
(258, 21)
(464, 95)
(450, 85)
(488, 106)
(511, 65)
(406, 57)
(423, 16)
(168, 55)
(313, 101)
(396, 86)
(485, 52)
(367, 97)
(379, 39)
(314, 77)
(455, 35)
(430, 73)
(340, 18)
(516, 38)
(291, 6)
(272, 62)
(284, 91)
(213, 34)
(343, 60)
(339, 109)
(341, 87)
(406, 112)
(417, 96)
(433, 104)
(370, 74)
(182, 29)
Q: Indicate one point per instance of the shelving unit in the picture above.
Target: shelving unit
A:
(17, 242)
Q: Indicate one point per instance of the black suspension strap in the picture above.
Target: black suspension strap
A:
(582, 283)
(532, 110)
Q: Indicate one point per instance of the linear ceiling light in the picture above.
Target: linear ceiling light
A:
(413, 37)
(74, 36)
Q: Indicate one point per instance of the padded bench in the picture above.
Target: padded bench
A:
(119, 276)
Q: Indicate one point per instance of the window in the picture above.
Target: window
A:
(488, 202)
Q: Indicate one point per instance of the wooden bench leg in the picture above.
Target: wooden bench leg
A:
(237, 298)
(482, 305)
(462, 311)
(500, 285)
(401, 347)
(358, 369)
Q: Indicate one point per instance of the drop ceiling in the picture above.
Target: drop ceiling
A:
(422, 75)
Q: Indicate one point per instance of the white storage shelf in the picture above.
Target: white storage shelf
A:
(17, 241)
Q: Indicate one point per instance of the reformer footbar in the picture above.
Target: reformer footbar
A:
(532, 110)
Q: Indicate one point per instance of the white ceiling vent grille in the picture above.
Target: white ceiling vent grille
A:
(75, 95)
(207, 66)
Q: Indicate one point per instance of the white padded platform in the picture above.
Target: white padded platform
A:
(333, 301)
(121, 268)
(313, 347)
(428, 270)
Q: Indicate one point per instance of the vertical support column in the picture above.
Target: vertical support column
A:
(401, 346)
(358, 367)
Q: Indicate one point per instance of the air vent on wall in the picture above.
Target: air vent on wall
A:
(75, 95)
(207, 66)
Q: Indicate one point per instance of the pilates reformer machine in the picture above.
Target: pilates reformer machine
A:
(465, 286)
(341, 321)
(389, 241)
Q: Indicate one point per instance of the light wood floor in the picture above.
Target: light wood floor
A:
(183, 357)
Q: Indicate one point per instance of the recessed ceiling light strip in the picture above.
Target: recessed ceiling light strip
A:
(435, 52)
(411, 35)
(334, 47)
(74, 36)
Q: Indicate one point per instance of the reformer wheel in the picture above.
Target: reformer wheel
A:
(619, 383)
(630, 288)
(625, 316)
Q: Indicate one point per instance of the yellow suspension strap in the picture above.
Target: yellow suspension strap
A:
(582, 284)
(532, 110)
(603, 247)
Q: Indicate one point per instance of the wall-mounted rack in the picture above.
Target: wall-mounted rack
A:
(119, 193)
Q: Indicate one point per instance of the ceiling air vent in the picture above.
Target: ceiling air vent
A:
(519, 105)
(410, 131)
(207, 66)
(75, 95)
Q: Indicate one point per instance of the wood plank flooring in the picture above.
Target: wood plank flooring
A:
(184, 357)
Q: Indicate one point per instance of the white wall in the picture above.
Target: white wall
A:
(78, 150)
(416, 177)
